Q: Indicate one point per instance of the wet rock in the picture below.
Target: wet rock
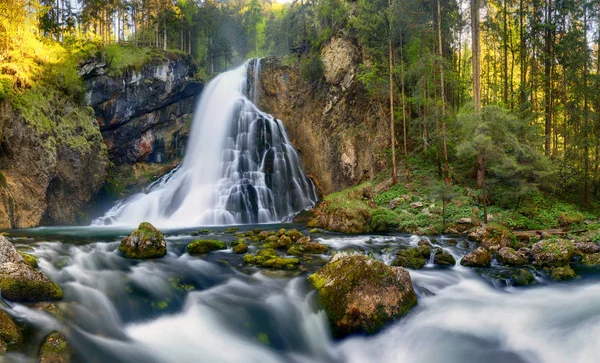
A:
(20, 282)
(510, 257)
(269, 258)
(8, 252)
(240, 248)
(200, 247)
(564, 273)
(586, 247)
(425, 248)
(10, 335)
(552, 253)
(360, 294)
(513, 277)
(144, 242)
(30, 259)
(591, 260)
(307, 247)
(477, 258)
(314, 230)
(443, 258)
(55, 349)
(522, 277)
(294, 234)
(410, 257)
(282, 242)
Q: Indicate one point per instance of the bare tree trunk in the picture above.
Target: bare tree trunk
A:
(164, 34)
(586, 178)
(442, 95)
(391, 70)
(406, 169)
(505, 95)
(475, 57)
(547, 83)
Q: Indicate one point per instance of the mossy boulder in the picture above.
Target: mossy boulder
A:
(294, 234)
(443, 258)
(509, 257)
(203, 246)
(360, 294)
(313, 248)
(586, 248)
(591, 260)
(55, 349)
(410, 257)
(522, 277)
(425, 248)
(144, 242)
(564, 273)
(269, 258)
(8, 252)
(20, 282)
(10, 335)
(240, 248)
(282, 242)
(554, 252)
(480, 257)
(30, 259)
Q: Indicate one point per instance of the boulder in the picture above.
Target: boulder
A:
(360, 294)
(144, 242)
(55, 349)
(510, 257)
(410, 258)
(477, 258)
(586, 247)
(564, 273)
(20, 282)
(552, 253)
(240, 248)
(443, 258)
(203, 246)
(592, 259)
(269, 258)
(10, 335)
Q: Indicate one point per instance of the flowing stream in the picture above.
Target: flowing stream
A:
(182, 308)
(239, 166)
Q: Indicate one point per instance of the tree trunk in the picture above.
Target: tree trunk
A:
(481, 183)
(505, 95)
(586, 177)
(548, 82)
(475, 57)
(406, 169)
(442, 95)
(391, 71)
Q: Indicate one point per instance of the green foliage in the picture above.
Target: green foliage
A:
(384, 220)
(311, 68)
(396, 191)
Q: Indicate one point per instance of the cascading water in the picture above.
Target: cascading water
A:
(239, 166)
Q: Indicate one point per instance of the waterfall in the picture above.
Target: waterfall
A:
(239, 166)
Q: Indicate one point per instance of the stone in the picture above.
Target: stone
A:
(10, 335)
(466, 221)
(395, 202)
(20, 282)
(201, 247)
(591, 259)
(269, 258)
(564, 273)
(360, 294)
(240, 248)
(55, 349)
(553, 252)
(510, 257)
(586, 247)
(480, 257)
(144, 242)
(416, 205)
(443, 258)
(410, 258)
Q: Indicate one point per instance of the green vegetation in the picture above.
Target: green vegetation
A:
(145, 242)
(205, 246)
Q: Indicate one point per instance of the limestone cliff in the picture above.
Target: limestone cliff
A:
(341, 135)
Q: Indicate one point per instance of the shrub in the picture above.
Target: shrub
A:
(312, 69)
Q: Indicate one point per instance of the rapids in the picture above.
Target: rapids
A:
(212, 309)
(239, 166)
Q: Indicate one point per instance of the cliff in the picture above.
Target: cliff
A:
(342, 136)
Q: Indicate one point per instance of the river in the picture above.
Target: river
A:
(182, 308)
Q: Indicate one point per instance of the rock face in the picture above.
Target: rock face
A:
(340, 136)
(10, 335)
(360, 294)
(46, 176)
(19, 281)
(55, 349)
(144, 242)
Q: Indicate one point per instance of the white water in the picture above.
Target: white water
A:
(460, 317)
(239, 167)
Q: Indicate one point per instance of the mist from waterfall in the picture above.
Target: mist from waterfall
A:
(239, 166)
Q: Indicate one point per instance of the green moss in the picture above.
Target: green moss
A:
(56, 348)
(263, 338)
(30, 259)
(564, 273)
(10, 335)
(24, 290)
(269, 258)
(231, 230)
(410, 257)
(295, 250)
(240, 248)
(384, 220)
(443, 258)
(314, 230)
(592, 259)
(204, 231)
(205, 246)
(150, 243)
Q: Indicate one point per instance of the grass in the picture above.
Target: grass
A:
(123, 58)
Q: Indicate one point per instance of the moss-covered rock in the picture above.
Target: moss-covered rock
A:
(294, 234)
(203, 246)
(425, 248)
(144, 242)
(240, 248)
(522, 277)
(509, 257)
(586, 248)
(360, 294)
(591, 260)
(30, 259)
(480, 257)
(20, 282)
(443, 258)
(564, 273)
(410, 257)
(269, 258)
(10, 335)
(384, 220)
(283, 242)
(554, 252)
(55, 349)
